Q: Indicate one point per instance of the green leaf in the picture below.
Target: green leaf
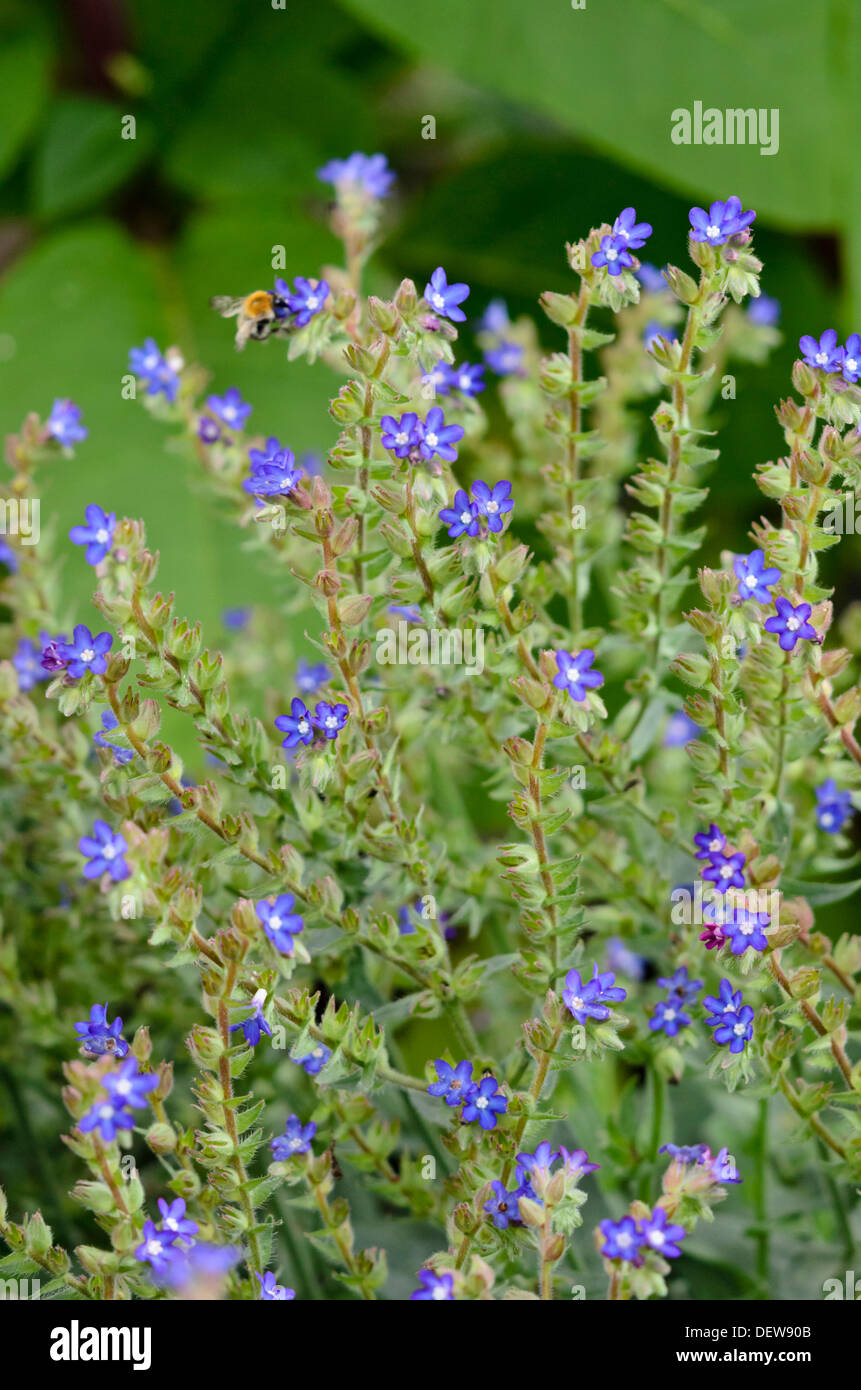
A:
(83, 155)
(817, 894)
(24, 65)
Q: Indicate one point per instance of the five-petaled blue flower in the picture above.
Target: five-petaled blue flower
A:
(230, 408)
(824, 353)
(722, 221)
(156, 1248)
(400, 436)
(435, 1288)
(444, 298)
(306, 299)
(27, 660)
(364, 173)
(255, 1025)
(152, 368)
(436, 437)
(109, 723)
(467, 378)
(613, 253)
(271, 1291)
(280, 922)
(634, 234)
(681, 984)
(128, 1086)
(743, 927)
(680, 730)
(98, 1037)
(660, 1236)
(791, 622)
(97, 535)
(483, 1102)
(85, 652)
(64, 423)
(174, 1220)
(726, 871)
(329, 720)
(452, 1083)
(685, 1153)
(651, 278)
(734, 1027)
(104, 851)
(573, 673)
(833, 807)
(462, 517)
(297, 725)
(622, 1239)
(275, 479)
(502, 1206)
(711, 841)
(727, 999)
(296, 1138)
(314, 1061)
(310, 678)
(492, 503)
(591, 1000)
(850, 358)
(669, 1016)
(754, 581)
(764, 311)
(505, 359)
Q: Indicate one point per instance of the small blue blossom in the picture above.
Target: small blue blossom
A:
(359, 173)
(710, 842)
(660, 1236)
(208, 430)
(230, 408)
(85, 652)
(104, 850)
(437, 438)
(297, 725)
(624, 961)
(492, 503)
(452, 1083)
(726, 1000)
(148, 364)
(722, 221)
(311, 678)
(439, 377)
(502, 1206)
(633, 233)
(8, 556)
(734, 1027)
(200, 1267)
(98, 1037)
(680, 730)
(64, 423)
(833, 807)
(764, 311)
(108, 1117)
(272, 1292)
(277, 478)
(483, 1102)
(726, 871)
(506, 359)
(97, 535)
(591, 1000)
(575, 1162)
(436, 1288)
(27, 660)
(410, 612)
(128, 1086)
(622, 1239)
(723, 1168)
(314, 1061)
(400, 436)
(669, 1016)
(495, 318)
(255, 1025)
(681, 984)
(307, 298)
(529, 1164)
(329, 720)
(573, 673)
(296, 1139)
(444, 298)
(467, 378)
(462, 517)
(174, 1220)
(613, 254)
(850, 358)
(824, 353)
(791, 622)
(744, 929)
(236, 619)
(691, 1153)
(122, 756)
(280, 922)
(651, 278)
(654, 330)
(755, 581)
(268, 455)
(156, 1247)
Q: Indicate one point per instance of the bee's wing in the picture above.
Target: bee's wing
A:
(225, 304)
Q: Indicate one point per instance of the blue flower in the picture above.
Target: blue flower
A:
(634, 234)
(850, 358)
(444, 298)
(360, 173)
(270, 1291)
(727, 999)
(128, 1086)
(410, 612)
(270, 454)
(528, 1164)
(296, 1139)
(156, 1247)
(85, 652)
(208, 430)
(174, 1220)
(8, 556)
(492, 504)
(230, 408)
(310, 678)
(437, 1288)
(108, 1117)
(297, 725)
(722, 221)
(764, 311)
(651, 278)
(27, 660)
(110, 722)
(681, 984)
(613, 254)
(669, 1016)
(591, 1000)
(151, 367)
(436, 437)
(825, 353)
(97, 535)
(483, 1102)
(622, 1239)
(255, 1025)
(314, 1061)
(495, 318)
(691, 1153)
(64, 423)
(833, 807)
(502, 1206)
(625, 961)
(462, 517)
(306, 299)
(753, 580)
(744, 928)
(104, 850)
(236, 619)
(329, 720)
(439, 377)
(453, 1083)
(198, 1268)
(791, 623)
(680, 730)
(655, 330)
(658, 1236)
(734, 1027)
(723, 1168)
(711, 842)
(726, 871)
(400, 436)
(467, 378)
(98, 1037)
(573, 674)
(505, 359)
(575, 1162)
(280, 922)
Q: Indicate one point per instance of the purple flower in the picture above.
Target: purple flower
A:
(97, 535)
(753, 580)
(104, 850)
(150, 366)
(255, 1025)
(541, 1161)
(329, 720)
(723, 1167)
(825, 353)
(453, 1083)
(296, 1139)
(658, 1236)
(712, 841)
(712, 936)
(681, 984)
(575, 1162)
(483, 1102)
(573, 673)
(833, 807)
(680, 730)
(722, 221)
(444, 298)
(439, 377)
(492, 504)
(651, 278)
(436, 437)
(726, 871)
(744, 928)
(198, 1267)
(590, 1000)
(734, 1027)
(437, 1288)
(791, 622)
(8, 556)
(727, 999)
(272, 1292)
(306, 299)
(85, 652)
(230, 408)
(613, 254)
(280, 922)
(495, 318)
(52, 659)
(269, 454)
(98, 1037)
(156, 1247)
(505, 359)
(764, 311)
(850, 360)
(236, 619)
(275, 479)
(314, 1061)
(297, 725)
(27, 660)
(467, 379)
(622, 1239)
(462, 517)
(128, 1086)
(174, 1220)
(310, 678)
(502, 1206)
(64, 423)
(208, 430)
(400, 436)
(360, 173)
(692, 1153)
(633, 233)
(669, 1016)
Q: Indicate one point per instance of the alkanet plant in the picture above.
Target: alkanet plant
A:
(352, 999)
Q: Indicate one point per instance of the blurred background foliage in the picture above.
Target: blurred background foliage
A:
(548, 120)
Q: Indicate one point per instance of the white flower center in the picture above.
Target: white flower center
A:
(154, 1247)
(669, 1015)
(108, 852)
(401, 437)
(492, 507)
(87, 654)
(312, 301)
(712, 230)
(751, 581)
(821, 358)
(826, 818)
(746, 928)
(739, 1029)
(612, 255)
(466, 518)
(481, 1103)
(171, 1223)
(793, 624)
(101, 535)
(623, 1241)
(275, 922)
(122, 1088)
(431, 440)
(303, 726)
(715, 847)
(439, 1293)
(850, 364)
(229, 412)
(106, 1111)
(726, 871)
(576, 1002)
(438, 301)
(330, 721)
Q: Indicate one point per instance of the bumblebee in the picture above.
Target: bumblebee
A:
(258, 314)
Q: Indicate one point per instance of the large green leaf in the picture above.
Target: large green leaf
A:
(83, 155)
(23, 88)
